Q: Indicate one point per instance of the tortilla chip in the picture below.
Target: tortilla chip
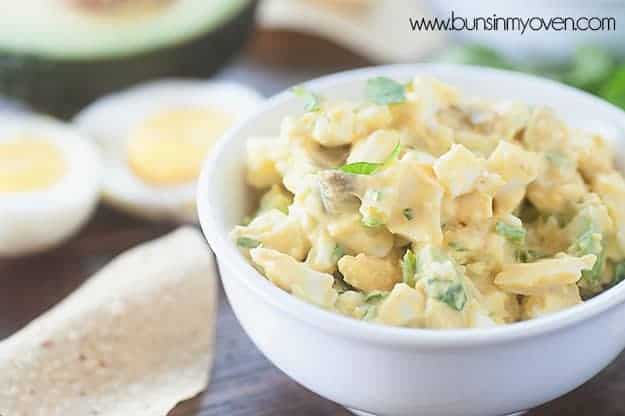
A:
(135, 339)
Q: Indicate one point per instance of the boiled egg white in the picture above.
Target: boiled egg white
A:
(49, 183)
(155, 138)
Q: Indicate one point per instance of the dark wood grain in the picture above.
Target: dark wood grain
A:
(243, 382)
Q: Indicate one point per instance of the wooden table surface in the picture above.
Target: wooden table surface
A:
(243, 382)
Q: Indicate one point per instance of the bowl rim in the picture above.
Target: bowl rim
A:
(228, 256)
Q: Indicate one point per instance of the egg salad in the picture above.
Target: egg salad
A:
(420, 207)
(49, 183)
(155, 137)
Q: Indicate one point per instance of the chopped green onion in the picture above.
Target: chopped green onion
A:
(512, 233)
(454, 297)
(371, 222)
(375, 296)
(409, 268)
(338, 252)
(247, 242)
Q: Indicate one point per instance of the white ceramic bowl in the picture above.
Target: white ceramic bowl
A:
(399, 371)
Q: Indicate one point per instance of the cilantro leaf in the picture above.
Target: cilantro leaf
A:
(369, 168)
(361, 168)
(312, 101)
(384, 91)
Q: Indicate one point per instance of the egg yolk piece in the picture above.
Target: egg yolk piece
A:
(30, 164)
(169, 147)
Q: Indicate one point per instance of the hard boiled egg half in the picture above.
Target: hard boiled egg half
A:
(155, 138)
(49, 183)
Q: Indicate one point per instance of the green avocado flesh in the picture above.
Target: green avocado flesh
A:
(62, 54)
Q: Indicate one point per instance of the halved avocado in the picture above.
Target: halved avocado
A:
(61, 54)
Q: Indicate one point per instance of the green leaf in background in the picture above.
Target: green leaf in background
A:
(590, 68)
(614, 89)
(384, 91)
(312, 102)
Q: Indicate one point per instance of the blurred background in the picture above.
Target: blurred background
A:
(57, 56)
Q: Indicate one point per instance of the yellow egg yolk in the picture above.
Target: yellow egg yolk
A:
(169, 147)
(29, 164)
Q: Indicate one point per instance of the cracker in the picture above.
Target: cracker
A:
(135, 339)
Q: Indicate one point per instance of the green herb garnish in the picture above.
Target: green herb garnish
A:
(312, 102)
(448, 291)
(369, 168)
(247, 242)
(409, 268)
(454, 297)
(589, 241)
(384, 91)
(361, 168)
(512, 233)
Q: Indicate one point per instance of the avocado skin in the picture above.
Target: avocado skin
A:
(62, 87)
